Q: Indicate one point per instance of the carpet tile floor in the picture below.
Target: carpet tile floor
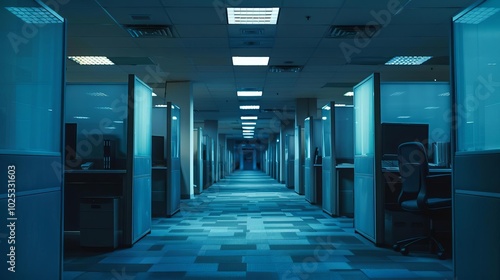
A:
(248, 226)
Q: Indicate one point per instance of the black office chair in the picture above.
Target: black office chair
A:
(421, 194)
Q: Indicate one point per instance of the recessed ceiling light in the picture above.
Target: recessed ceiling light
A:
(249, 107)
(248, 127)
(349, 93)
(91, 60)
(248, 131)
(249, 117)
(477, 15)
(431, 108)
(248, 123)
(408, 60)
(248, 137)
(34, 15)
(81, 118)
(118, 121)
(404, 117)
(161, 106)
(250, 60)
(339, 105)
(324, 118)
(247, 93)
(252, 15)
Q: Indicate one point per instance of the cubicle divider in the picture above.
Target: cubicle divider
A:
(386, 115)
(476, 191)
(289, 160)
(31, 142)
(338, 160)
(299, 160)
(312, 161)
(198, 160)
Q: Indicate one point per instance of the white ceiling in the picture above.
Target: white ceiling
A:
(201, 52)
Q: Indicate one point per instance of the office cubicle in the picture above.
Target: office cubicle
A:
(476, 192)
(387, 114)
(31, 142)
(113, 135)
(166, 176)
(338, 160)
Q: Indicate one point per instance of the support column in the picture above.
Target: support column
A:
(181, 94)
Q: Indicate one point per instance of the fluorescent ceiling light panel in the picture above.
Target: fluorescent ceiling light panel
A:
(251, 93)
(34, 15)
(349, 93)
(248, 123)
(249, 117)
(81, 118)
(250, 60)
(252, 15)
(248, 127)
(339, 105)
(249, 107)
(408, 60)
(477, 15)
(91, 60)
(248, 131)
(248, 137)
(161, 106)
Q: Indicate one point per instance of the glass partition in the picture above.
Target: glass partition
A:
(418, 103)
(363, 115)
(477, 78)
(327, 130)
(99, 112)
(176, 121)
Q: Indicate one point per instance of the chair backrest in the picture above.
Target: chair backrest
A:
(413, 168)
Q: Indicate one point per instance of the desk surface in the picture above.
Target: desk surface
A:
(431, 170)
(344, 165)
(98, 171)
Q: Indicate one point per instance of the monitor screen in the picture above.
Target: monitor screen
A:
(393, 134)
(158, 150)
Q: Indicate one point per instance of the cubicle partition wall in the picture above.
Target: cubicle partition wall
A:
(476, 191)
(137, 193)
(198, 160)
(173, 187)
(338, 159)
(31, 142)
(312, 159)
(299, 160)
(289, 160)
(368, 193)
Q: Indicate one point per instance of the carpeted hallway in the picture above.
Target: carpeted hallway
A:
(247, 226)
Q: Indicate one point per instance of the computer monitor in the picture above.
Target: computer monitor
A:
(393, 134)
(158, 150)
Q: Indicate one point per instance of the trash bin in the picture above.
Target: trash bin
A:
(99, 222)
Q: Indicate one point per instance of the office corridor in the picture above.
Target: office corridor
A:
(247, 226)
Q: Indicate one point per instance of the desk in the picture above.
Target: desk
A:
(79, 183)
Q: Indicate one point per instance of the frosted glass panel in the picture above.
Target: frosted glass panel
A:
(478, 78)
(176, 126)
(364, 117)
(142, 118)
(31, 80)
(100, 113)
(326, 120)
(420, 102)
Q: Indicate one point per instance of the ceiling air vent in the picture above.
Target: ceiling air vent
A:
(252, 31)
(142, 31)
(351, 31)
(285, 68)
